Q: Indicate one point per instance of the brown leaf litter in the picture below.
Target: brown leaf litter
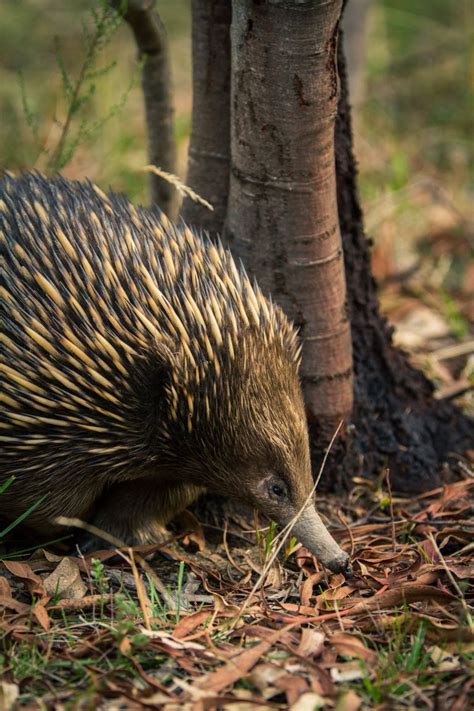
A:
(399, 629)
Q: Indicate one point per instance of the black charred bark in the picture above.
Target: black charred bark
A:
(396, 421)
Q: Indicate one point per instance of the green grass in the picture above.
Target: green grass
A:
(46, 659)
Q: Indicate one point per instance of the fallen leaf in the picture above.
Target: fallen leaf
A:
(399, 596)
(460, 571)
(332, 594)
(419, 326)
(5, 589)
(39, 611)
(23, 571)
(188, 624)
(264, 678)
(311, 643)
(82, 603)
(349, 701)
(125, 647)
(159, 700)
(309, 702)
(294, 686)
(352, 646)
(443, 660)
(236, 668)
(11, 604)
(306, 591)
(168, 640)
(65, 581)
(194, 531)
(8, 695)
(347, 673)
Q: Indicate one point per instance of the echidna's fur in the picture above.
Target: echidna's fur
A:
(139, 367)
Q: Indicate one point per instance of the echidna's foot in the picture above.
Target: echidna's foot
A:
(153, 534)
(135, 514)
(86, 543)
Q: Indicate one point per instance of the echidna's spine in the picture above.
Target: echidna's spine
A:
(94, 290)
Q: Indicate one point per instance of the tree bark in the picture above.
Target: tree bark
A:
(282, 216)
(209, 150)
(396, 422)
(152, 43)
(283, 221)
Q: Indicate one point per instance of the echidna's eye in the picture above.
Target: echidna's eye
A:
(277, 489)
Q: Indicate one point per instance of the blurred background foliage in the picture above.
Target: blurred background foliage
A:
(413, 120)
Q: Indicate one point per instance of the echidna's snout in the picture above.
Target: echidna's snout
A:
(313, 534)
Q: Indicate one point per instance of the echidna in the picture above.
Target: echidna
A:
(140, 368)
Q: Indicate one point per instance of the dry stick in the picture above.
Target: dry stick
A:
(286, 532)
(226, 548)
(390, 497)
(419, 692)
(349, 531)
(118, 544)
(464, 604)
(141, 593)
(453, 351)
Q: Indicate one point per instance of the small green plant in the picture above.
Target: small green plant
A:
(159, 607)
(3, 487)
(403, 662)
(291, 544)
(127, 614)
(457, 322)
(265, 538)
(5, 484)
(270, 537)
(77, 126)
(99, 577)
(179, 590)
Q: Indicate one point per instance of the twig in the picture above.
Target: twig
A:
(349, 531)
(392, 518)
(226, 548)
(453, 351)
(141, 593)
(53, 162)
(453, 582)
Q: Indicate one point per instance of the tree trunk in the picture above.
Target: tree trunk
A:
(282, 216)
(283, 222)
(397, 423)
(152, 43)
(209, 150)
